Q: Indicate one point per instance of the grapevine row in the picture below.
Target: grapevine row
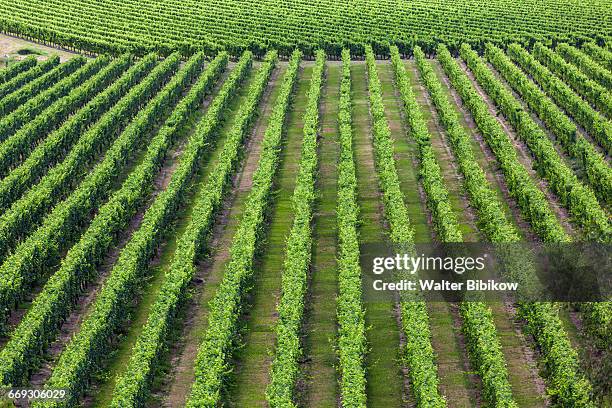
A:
(39, 118)
(597, 317)
(51, 148)
(575, 196)
(285, 365)
(37, 254)
(401, 231)
(565, 382)
(25, 77)
(598, 54)
(594, 123)
(25, 94)
(116, 27)
(24, 214)
(598, 96)
(532, 202)
(592, 69)
(478, 325)
(597, 170)
(415, 320)
(352, 345)
(17, 68)
(132, 387)
(212, 361)
(39, 326)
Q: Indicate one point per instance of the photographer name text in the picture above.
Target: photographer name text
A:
(429, 285)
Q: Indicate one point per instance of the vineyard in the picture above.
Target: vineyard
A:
(115, 26)
(189, 192)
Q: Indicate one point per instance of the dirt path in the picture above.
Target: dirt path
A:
(459, 383)
(18, 49)
(385, 380)
(253, 361)
(318, 385)
(16, 315)
(528, 387)
(524, 157)
(175, 385)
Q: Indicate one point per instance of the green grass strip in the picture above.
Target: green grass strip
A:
(285, 366)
